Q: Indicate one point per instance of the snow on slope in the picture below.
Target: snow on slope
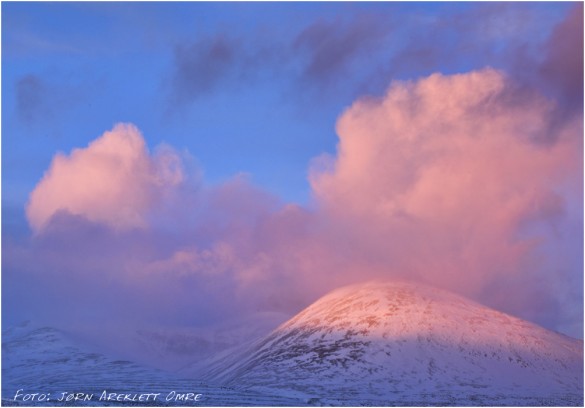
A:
(173, 348)
(404, 344)
(46, 360)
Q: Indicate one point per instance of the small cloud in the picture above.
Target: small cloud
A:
(201, 67)
(331, 47)
(114, 180)
(31, 98)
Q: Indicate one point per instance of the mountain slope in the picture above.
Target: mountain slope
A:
(50, 361)
(400, 343)
(173, 348)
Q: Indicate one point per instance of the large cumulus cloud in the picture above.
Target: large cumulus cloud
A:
(446, 179)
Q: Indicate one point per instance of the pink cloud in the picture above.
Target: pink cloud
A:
(438, 179)
(442, 180)
(113, 180)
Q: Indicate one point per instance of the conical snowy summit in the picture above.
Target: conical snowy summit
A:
(398, 343)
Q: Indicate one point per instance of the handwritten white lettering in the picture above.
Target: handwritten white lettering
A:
(113, 396)
(74, 396)
(190, 396)
(20, 395)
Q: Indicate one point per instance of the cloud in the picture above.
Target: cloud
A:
(315, 57)
(554, 66)
(444, 180)
(114, 180)
(220, 61)
(202, 66)
(41, 101)
(340, 58)
(30, 98)
(330, 47)
(116, 227)
(563, 64)
(467, 38)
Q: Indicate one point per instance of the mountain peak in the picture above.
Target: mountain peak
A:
(399, 340)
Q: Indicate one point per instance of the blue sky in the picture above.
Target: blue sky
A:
(72, 70)
(250, 99)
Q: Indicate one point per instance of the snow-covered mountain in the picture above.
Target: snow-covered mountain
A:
(172, 348)
(45, 360)
(379, 343)
(398, 343)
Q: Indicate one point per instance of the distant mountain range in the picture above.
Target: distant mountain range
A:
(45, 360)
(378, 343)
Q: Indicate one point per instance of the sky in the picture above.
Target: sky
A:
(180, 164)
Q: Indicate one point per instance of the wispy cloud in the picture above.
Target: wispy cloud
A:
(329, 48)
(333, 57)
(563, 64)
(202, 66)
(31, 98)
(316, 57)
